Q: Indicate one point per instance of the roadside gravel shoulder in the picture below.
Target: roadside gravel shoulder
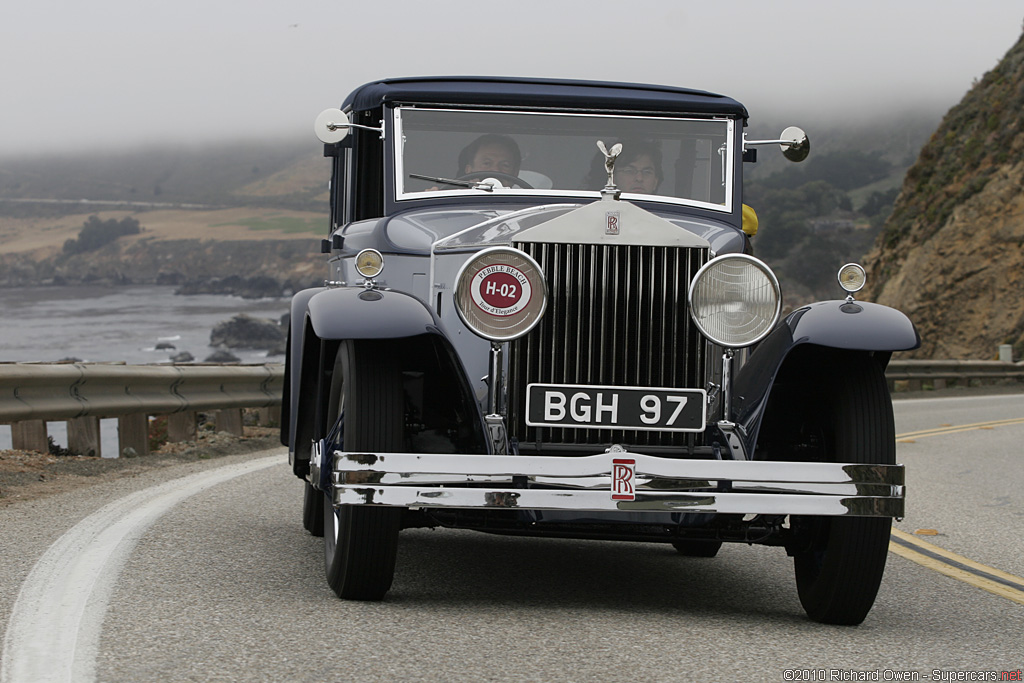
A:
(28, 475)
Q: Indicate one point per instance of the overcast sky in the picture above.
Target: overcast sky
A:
(128, 72)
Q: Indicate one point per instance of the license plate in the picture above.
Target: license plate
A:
(603, 407)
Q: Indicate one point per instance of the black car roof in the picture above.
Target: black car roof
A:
(540, 92)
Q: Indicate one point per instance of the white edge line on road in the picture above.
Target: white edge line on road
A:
(54, 630)
(931, 399)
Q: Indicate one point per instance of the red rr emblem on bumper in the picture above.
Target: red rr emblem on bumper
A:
(623, 476)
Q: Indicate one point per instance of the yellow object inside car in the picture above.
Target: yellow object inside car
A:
(749, 221)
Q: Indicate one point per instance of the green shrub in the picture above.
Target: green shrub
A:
(96, 233)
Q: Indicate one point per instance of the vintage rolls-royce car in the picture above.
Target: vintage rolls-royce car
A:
(543, 316)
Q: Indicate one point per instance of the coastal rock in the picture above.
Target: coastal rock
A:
(246, 332)
(183, 357)
(222, 356)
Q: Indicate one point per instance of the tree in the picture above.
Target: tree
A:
(96, 233)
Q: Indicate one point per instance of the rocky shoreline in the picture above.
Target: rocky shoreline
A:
(247, 332)
(249, 269)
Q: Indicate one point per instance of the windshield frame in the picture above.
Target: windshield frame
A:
(400, 173)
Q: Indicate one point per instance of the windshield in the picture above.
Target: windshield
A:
(450, 152)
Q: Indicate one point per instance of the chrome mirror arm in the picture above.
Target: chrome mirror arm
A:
(794, 142)
(331, 126)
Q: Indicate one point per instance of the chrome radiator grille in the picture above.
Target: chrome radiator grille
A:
(616, 316)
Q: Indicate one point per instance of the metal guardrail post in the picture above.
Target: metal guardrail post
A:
(84, 435)
(229, 421)
(181, 427)
(30, 435)
(1005, 353)
(133, 435)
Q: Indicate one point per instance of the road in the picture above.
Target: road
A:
(211, 578)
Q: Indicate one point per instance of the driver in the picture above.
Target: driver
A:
(490, 152)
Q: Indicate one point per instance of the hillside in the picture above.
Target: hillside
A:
(952, 253)
(240, 219)
(282, 174)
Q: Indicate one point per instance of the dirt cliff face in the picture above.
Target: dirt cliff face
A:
(951, 256)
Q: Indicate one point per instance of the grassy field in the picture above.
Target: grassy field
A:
(279, 223)
(44, 236)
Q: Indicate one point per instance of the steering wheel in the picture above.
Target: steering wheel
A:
(514, 180)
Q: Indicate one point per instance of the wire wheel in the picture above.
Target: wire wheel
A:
(839, 571)
(361, 541)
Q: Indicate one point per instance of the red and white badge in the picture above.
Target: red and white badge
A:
(501, 290)
(623, 479)
(500, 293)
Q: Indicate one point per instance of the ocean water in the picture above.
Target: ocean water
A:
(117, 324)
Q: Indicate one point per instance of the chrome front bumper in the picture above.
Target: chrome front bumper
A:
(433, 480)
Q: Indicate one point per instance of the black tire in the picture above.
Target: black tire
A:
(312, 511)
(695, 548)
(361, 542)
(838, 575)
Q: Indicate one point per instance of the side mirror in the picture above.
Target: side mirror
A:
(800, 145)
(332, 125)
(794, 143)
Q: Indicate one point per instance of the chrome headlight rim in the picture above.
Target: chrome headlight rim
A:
(524, 319)
(772, 280)
(369, 263)
(854, 284)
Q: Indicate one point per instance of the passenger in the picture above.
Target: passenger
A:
(637, 170)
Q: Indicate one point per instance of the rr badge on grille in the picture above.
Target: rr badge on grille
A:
(623, 476)
(611, 222)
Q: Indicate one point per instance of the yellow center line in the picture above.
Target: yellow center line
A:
(950, 564)
(954, 429)
(956, 566)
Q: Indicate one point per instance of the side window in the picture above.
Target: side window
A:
(339, 190)
(367, 171)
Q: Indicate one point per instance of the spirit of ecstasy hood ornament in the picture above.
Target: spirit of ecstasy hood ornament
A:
(610, 191)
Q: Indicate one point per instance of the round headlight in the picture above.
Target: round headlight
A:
(500, 293)
(735, 300)
(852, 277)
(369, 263)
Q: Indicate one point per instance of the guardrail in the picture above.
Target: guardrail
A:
(914, 375)
(32, 394)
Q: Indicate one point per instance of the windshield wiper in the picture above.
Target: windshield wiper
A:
(473, 184)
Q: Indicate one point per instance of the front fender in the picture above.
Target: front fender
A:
(356, 313)
(323, 318)
(322, 313)
(293, 359)
(854, 325)
(841, 325)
